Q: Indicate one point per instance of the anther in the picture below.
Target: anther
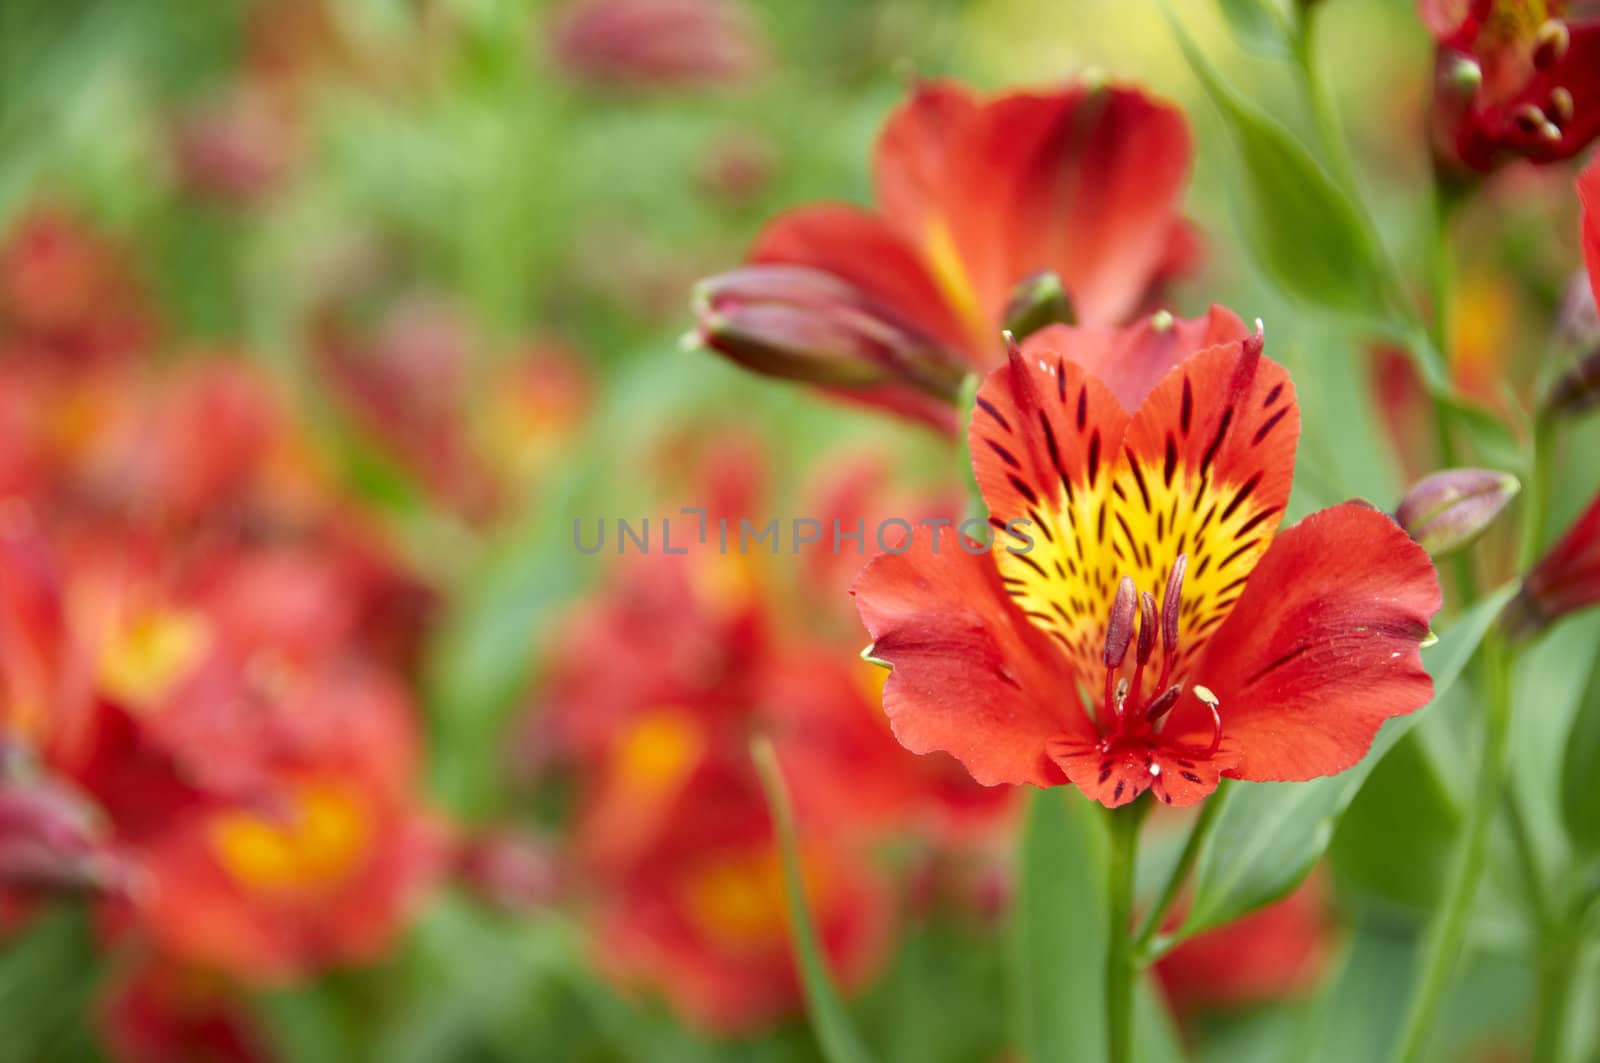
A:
(1163, 705)
(1119, 630)
(1529, 119)
(1170, 604)
(1211, 701)
(1147, 627)
(1553, 38)
(1560, 106)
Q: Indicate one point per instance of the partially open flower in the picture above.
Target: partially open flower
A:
(1450, 509)
(1564, 581)
(1024, 209)
(1514, 79)
(1136, 564)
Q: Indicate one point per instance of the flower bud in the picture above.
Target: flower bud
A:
(51, 839)
(1577, 390)
(1038, 300)
(803, 324)
(1446, 511)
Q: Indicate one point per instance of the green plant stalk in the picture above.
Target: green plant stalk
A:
(1443, 944)
(1558, 971)
(1536, 496)
(1198, 834)
(1121, 970)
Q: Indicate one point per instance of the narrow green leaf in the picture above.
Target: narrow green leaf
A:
(1271, 834)
(1058, 931)
(836, 1035)
(1580, 771)
(1260, 26)
(1302, 231)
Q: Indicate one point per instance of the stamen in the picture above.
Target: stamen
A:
(1170, 603)
(1560, 106)
(1163, 705)
(1147, 627)
(1554, 39)
(1119, 630)
(1529, 119)
(1211, 701)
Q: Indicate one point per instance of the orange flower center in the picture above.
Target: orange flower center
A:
(315, 843)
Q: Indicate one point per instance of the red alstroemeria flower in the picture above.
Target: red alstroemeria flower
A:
(1157, 634)
(1515, 78)
(1274, 953)
(894, 305)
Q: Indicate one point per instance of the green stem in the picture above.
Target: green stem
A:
(1532, 867)
(1443, 944)
(1180, 871)
(1558, 971)
(1120, 967)
(1426, 352)
(1536, 496)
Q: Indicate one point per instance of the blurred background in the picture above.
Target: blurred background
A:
(322, 322)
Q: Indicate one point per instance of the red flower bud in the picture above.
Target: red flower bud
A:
(1448, 510)
(802, 324)
(51, 839)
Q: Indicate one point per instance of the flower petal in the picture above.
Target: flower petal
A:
(863, 250)
(1205, 470)
(971, 677)
(1085, 182)
(1043, 438)
(1133, 360)
(913, 156)
(1115, 776)
(1323, 645)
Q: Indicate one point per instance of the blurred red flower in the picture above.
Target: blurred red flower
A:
(1279, 656)
(1514, 79)
(976, 197)
(1274, 953)
(162, 1011)
(67, 296)
(658, 44)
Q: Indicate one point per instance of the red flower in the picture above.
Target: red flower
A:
(1276, 952)
(1137, 563)
(975, 198)
(1514, 78)
(163, 1011)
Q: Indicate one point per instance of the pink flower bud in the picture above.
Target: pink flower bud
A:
(1446, 511)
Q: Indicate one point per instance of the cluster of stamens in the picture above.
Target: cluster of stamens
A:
(1134, 622)
(1549, 120)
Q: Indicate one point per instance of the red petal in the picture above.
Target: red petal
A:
(1085, 182)
(913, 157)
(1116, 776)
(1323, 646)
(863, 250)
(1133, 360)
(971, 676)
(1589, 192)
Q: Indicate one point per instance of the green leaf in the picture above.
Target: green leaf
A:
(1580, 771)
(836, 1035)
(1271, 834)
(1058, 931)
(1303, 232)
(1260, 26)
